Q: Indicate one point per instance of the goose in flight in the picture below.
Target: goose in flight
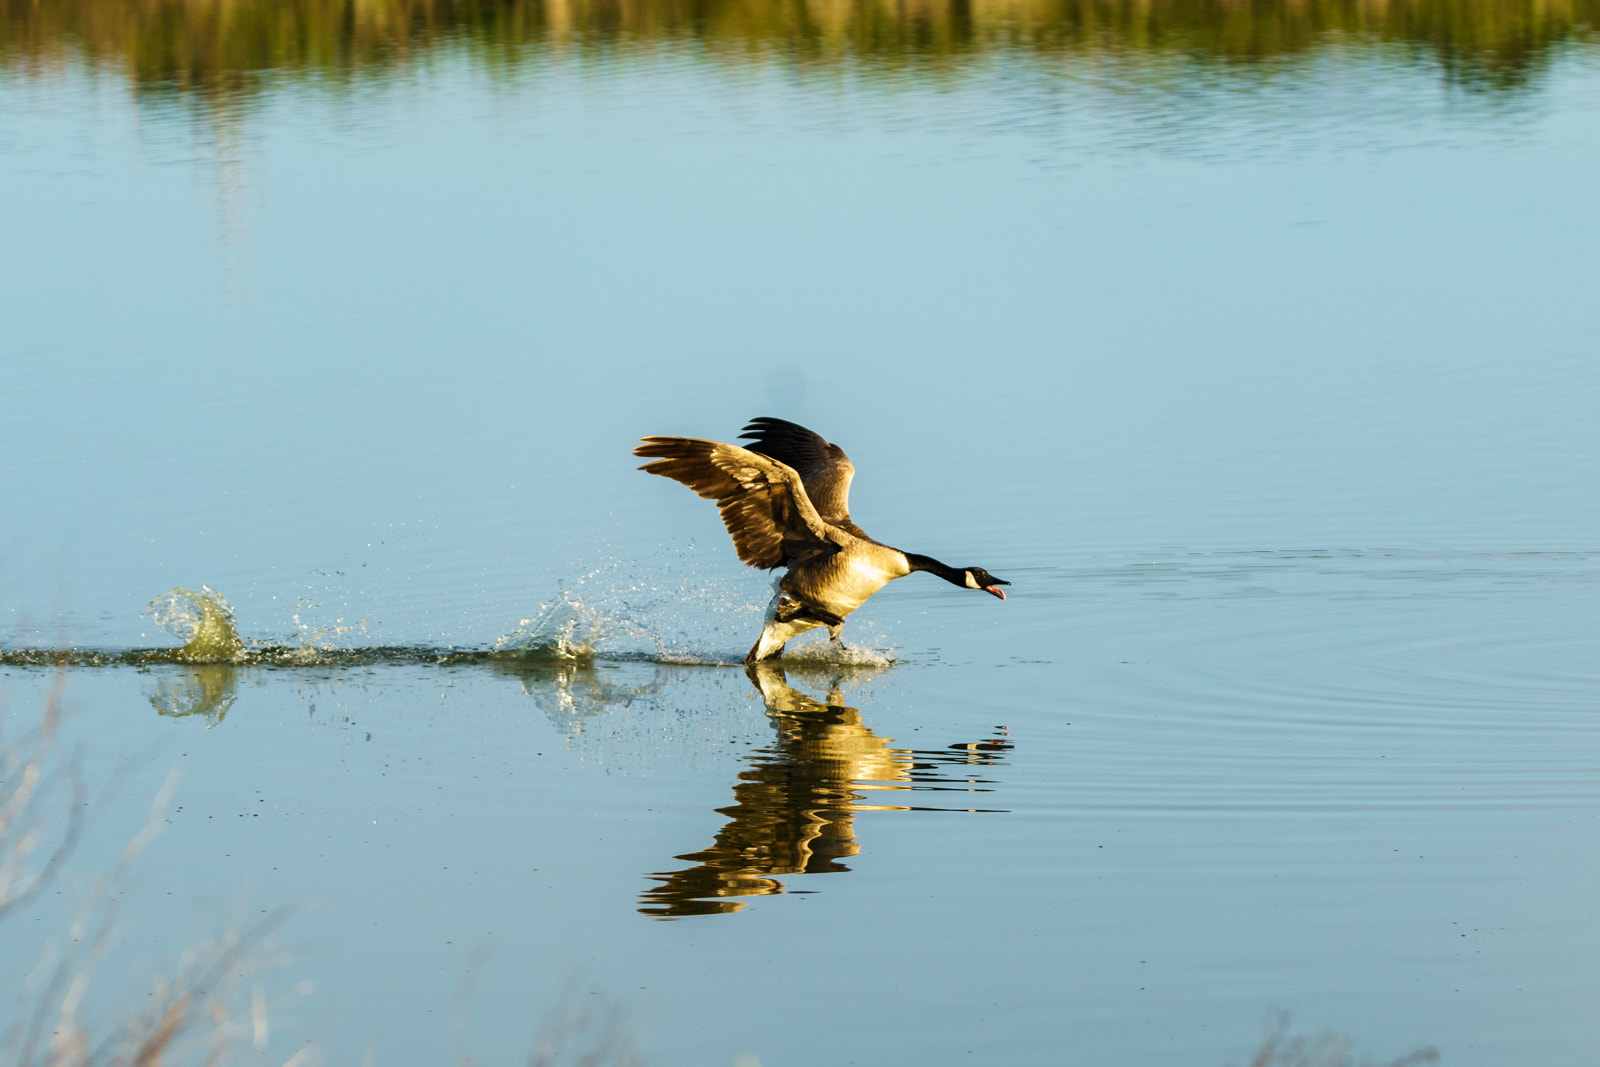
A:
(785, 501)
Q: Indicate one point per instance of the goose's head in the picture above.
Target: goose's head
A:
(978, 578)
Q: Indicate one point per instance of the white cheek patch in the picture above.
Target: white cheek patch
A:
(972, 583)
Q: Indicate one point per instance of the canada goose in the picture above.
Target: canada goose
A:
(785, 500)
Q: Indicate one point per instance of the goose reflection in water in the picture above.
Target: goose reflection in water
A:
(794, 809)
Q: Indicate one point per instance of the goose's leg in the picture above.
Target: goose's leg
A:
(754, 655)
(775, 635)
(786, 618)
(833, 635)
(771, 641)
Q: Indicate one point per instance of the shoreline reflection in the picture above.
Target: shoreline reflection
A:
(220, 49)
(794, 807)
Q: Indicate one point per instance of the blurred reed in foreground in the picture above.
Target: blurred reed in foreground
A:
(1282, 1048)
(208, 1009)
(213, 1006)
(221, 45)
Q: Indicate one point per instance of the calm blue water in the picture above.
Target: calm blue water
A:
(1272, 395)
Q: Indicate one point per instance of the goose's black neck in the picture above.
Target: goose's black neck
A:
(933, 566)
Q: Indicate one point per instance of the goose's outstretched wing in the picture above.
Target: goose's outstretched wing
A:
(823, 467)
(763, 500)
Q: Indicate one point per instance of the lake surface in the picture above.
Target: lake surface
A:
(1255, 346)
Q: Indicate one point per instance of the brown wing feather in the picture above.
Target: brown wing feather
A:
(823, 467)
(763, 501)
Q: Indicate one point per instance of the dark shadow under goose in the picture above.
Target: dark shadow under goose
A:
(786, 501)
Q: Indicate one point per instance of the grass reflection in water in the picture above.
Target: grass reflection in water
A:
(217, 47)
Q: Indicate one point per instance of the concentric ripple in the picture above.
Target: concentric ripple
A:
(1278, 682)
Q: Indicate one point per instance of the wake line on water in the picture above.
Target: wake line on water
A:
(569, 631)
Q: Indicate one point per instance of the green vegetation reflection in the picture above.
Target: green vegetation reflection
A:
(222, 46)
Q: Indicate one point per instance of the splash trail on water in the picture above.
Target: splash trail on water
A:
(606, 615)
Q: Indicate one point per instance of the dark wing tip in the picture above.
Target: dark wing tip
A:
(754, 427)
(791, 443)
(768, 427)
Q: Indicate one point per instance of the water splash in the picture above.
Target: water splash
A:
(819, 655)
(665, 610)
(564, 631)
(202, 620)
(327, 636)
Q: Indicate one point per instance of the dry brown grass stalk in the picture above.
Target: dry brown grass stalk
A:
(200, 1014)
(35, 782)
